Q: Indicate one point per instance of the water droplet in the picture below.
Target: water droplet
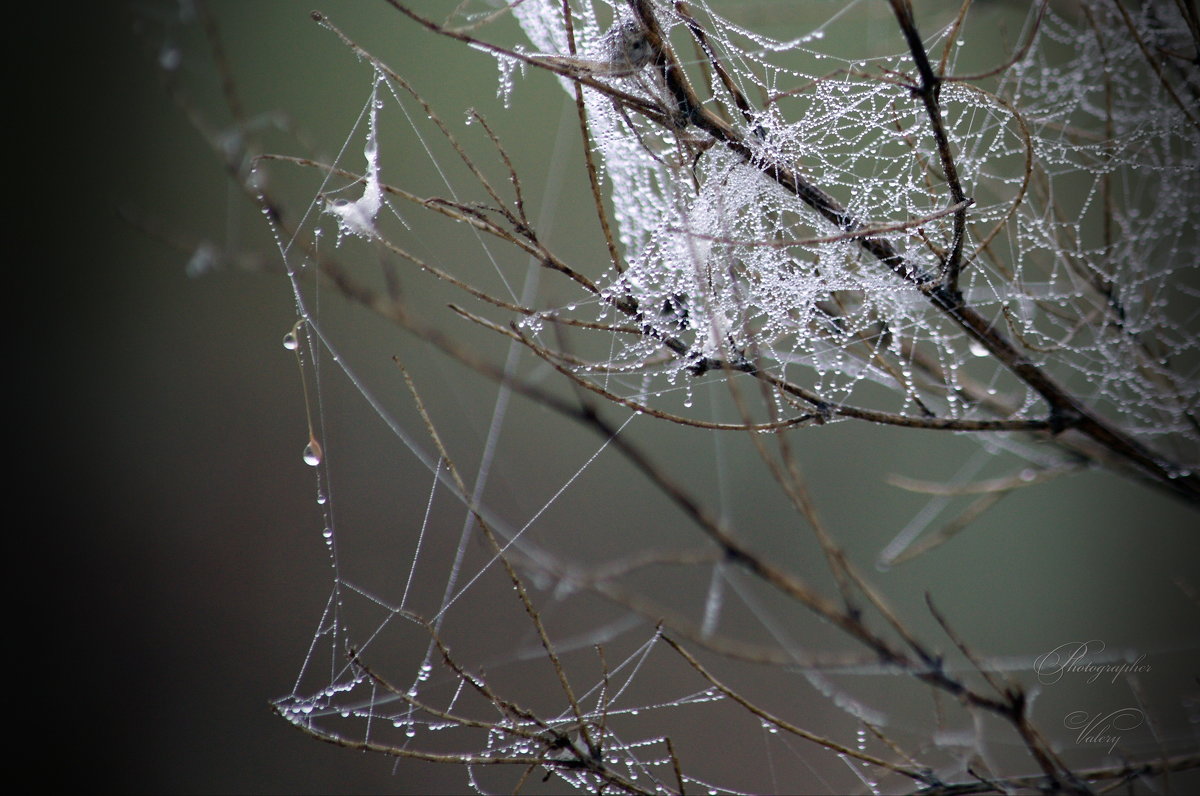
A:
(312, 453)
(290, 341)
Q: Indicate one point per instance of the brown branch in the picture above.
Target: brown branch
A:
(594, 759)
(1188, 111)
(929, 91)
(914, 774)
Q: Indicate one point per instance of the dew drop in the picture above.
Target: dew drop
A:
(290, 341)
(312, 453)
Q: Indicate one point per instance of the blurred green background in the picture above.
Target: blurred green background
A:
(176, 572)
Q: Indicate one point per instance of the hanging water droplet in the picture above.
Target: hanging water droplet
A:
(290, 341)
(312, 453)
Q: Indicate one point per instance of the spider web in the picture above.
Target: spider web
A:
(731, 256)
(1088, 257)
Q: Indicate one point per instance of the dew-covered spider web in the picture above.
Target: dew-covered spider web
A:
(513, 588)
(1081, 241)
